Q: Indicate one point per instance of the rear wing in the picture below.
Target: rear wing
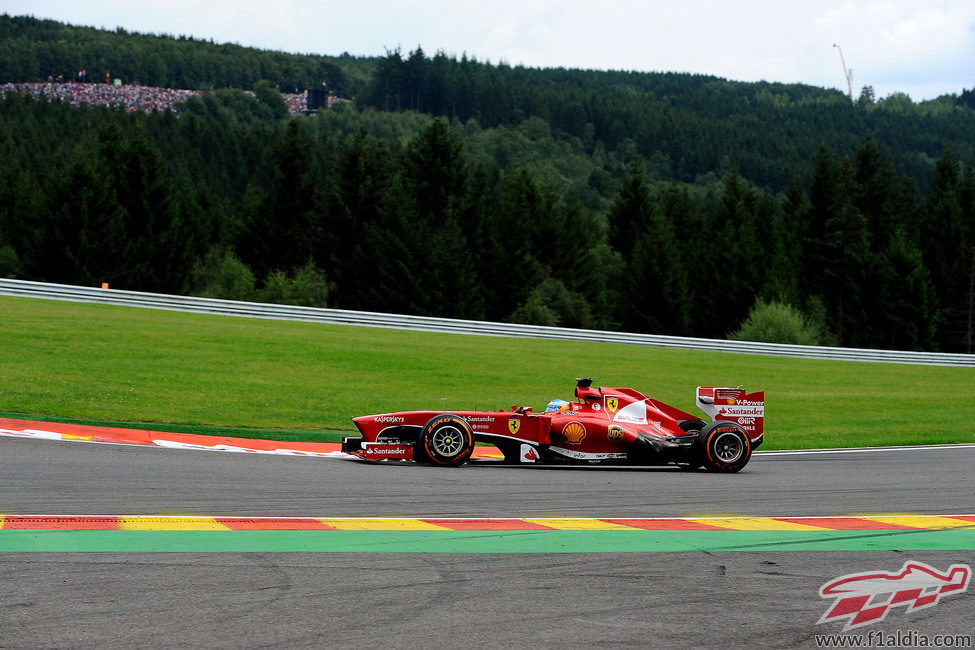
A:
(734, 405)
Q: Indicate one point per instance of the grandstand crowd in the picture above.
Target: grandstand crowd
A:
(130, 97)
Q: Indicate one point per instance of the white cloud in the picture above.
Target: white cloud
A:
(907, 46)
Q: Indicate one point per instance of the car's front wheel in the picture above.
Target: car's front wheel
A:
(724, 447)
(446, 440)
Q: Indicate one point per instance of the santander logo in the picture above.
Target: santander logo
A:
(864, 598)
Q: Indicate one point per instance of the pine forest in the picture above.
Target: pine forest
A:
(442, 185)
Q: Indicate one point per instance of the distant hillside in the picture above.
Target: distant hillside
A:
(36, 49)
(655, 202)
(690, 125)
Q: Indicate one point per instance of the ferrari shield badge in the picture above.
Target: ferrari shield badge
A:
(612, 403)
(513, 426)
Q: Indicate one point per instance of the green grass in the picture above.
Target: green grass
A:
(263, 378)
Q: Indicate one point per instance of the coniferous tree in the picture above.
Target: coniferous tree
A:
(848, 267)
(509, 241)
(787, 232)
(437, 175)
(365, 170)
(19, 232)
(910, 313)
(419, 250)
(282, 233)
(570, 258)
(821, 205)
(966, 193)
(415, 79)
(630, 211)
(945, 252)
(658, 281)
(405, 204)
(436, 178)
(454, 289)
(876, 192)
(390, 259)
(160, 243)
(685, 212)
(837, 251)
(84, 222)
(735, 257)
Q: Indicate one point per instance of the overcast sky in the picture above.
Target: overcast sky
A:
(921, 48)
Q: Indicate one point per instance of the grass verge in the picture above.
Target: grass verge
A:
(305, 381)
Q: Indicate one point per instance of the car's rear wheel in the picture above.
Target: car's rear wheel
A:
(724, 446)
(446, 440)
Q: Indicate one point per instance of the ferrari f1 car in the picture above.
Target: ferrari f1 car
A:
(603, 425)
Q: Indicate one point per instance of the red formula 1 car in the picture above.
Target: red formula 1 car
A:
(604, 425)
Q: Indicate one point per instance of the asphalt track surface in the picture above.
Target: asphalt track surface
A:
(696, 599)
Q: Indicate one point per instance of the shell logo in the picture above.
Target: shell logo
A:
(574, 433)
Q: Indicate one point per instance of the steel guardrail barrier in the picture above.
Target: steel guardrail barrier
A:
(73, 293)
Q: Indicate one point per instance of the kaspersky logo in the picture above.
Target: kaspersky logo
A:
(866, 598)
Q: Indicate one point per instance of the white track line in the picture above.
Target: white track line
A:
(48, 435)
(859, 450)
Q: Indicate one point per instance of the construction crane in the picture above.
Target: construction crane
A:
(846, 72)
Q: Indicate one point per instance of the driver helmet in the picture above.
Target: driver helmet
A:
(557, 405)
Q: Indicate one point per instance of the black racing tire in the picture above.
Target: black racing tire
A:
(446, 440)
(724, 447)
